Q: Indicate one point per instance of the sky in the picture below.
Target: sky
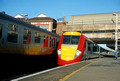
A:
(58, 8)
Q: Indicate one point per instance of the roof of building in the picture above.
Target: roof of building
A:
(41, 17)
(104, 18)
(19, 16)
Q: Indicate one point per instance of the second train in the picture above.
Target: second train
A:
(74, 47)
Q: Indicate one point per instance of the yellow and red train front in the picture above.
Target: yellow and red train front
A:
(70, 48)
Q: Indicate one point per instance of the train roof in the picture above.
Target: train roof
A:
(20, 22)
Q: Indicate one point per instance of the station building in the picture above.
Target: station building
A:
(43, 21)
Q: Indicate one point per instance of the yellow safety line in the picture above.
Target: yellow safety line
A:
(67, 76)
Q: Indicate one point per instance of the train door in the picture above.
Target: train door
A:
(86, 50)
(26, 36)
(46, 43)
(26, 40)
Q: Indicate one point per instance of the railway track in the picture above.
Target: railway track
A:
(19, 65)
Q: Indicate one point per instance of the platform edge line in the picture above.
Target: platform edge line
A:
(67, 76)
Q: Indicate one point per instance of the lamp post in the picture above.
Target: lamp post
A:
(116, 36)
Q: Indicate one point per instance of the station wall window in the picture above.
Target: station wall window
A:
(37, 37)
(26, 36)
(43, 26)
(46, 27)
(1, 30)
(12, 33)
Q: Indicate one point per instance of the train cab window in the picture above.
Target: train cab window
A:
(66, 39)
(69, 39)
(0, 30)
(26, 36)
(75, 39)
(37, 37)
(12, 33)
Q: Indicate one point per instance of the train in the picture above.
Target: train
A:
(19, 37)
(74, 47)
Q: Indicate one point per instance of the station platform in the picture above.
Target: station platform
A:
(100, 69)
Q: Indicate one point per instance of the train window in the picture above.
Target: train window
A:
(26, 36)
(50, 41)
(66, 39)
(0, 30)
(95, 49)
(12, 33)
(54, 42)
(69, 39)
(37, 37)
(88, 48)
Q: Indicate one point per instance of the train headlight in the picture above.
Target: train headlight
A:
(78, 53)
(59, 52)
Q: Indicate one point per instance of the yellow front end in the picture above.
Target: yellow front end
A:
(68, 52)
